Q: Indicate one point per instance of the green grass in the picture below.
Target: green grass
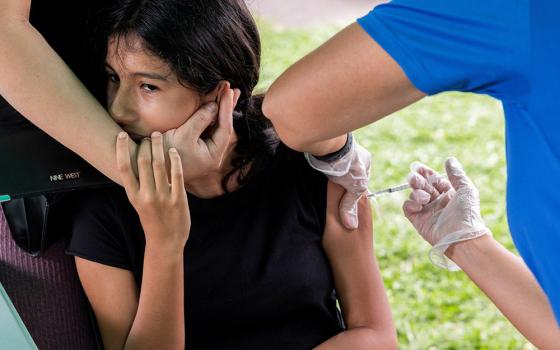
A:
(433, 309)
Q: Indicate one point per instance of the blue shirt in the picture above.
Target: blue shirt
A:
(508, 49)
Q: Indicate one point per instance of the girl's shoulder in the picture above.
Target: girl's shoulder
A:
(298, 180)
(107, 201)
(102, 227)
(294, 164)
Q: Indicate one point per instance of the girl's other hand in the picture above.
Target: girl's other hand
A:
(203, 156)
(162, 205)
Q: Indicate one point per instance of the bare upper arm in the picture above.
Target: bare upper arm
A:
(15, 9)
(348, 82)
(358, 281)
(113, 295)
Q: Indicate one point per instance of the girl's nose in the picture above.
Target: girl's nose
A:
(120, 109)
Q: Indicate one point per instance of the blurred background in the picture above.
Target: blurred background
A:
(298, 13)
(433, 309)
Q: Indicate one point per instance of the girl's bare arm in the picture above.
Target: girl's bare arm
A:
(154, 317)
(358, 282)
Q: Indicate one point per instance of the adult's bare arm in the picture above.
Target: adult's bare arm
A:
(348, 82)
(446, 213)
(507, 281)
(37, 83)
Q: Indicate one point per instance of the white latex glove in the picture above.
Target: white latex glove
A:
(444, 211)
(351, 172)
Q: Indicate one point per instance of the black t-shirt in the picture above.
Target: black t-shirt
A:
(256, 275)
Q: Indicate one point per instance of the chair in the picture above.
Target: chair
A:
(47, 293)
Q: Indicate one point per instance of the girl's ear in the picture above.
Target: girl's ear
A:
(216, 94)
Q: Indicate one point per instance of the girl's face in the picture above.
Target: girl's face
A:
(143, 93)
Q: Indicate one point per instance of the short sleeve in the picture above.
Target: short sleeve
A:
(455, 45)
(311, 187)
(98, 233)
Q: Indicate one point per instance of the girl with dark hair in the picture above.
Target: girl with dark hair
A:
(247, 255)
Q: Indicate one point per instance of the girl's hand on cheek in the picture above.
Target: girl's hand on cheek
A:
(205, 156)
(160, 203)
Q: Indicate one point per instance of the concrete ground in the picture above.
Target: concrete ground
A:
(298, 13)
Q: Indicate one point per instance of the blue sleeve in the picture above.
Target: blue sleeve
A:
(459, 45)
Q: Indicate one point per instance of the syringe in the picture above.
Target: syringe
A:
(432, 179)
(392, 189)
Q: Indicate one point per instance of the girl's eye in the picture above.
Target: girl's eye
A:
(149, 87)
(112, 77)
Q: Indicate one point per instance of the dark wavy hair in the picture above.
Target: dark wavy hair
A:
(204, 42)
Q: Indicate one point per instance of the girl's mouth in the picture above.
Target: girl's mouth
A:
(135, 137)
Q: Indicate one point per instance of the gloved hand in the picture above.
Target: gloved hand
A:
(351, 171)
(444, 211)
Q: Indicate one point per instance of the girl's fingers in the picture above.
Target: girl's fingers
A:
(158, 163)
(195, 126)
(145, 171)
(236, 95)
(222, 135)
(124, 165)
(177, 184)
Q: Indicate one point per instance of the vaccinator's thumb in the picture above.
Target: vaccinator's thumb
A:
(456, 174)
(349, 210)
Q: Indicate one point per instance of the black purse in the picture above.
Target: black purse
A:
(37, 222)
(37, 174)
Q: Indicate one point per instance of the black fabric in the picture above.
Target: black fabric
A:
(69, 26)
(256, 276)
(36, 164)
